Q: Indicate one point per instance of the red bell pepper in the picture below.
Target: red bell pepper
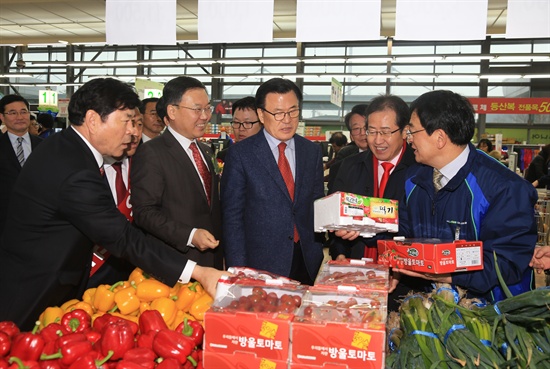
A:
(51, 332)
(146, 339)
(192, 329)
(27, 346)
(118, 337)
(10, 328)
(91, 360)
(77, 320)
(106, 319)
(128, 364)
(172, 344)
(151, 320)
(4, 364)
(5, 344)
(70, 352)
(68, 338)
(140, 354)
(50, 348)
(92, 335)
(17, 363)
(169, 364)
(49, 364)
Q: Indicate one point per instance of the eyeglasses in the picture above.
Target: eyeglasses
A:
(357, 131)
(281, 115)
(380, 133)
(246, 125)
(206, 111)
(13, 113)
(410, 133)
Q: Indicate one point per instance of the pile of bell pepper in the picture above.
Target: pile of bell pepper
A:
(76, 341)
(140, 293)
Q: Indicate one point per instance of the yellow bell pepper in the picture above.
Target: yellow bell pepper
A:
(88, 295)
(127, 301)
(200, 306)
(84, 306)
(151, 289)
(104, 299)
(137, 276)
(166, 307)
(144, 306)
(68, 305)
(50, 315)
(186, 296)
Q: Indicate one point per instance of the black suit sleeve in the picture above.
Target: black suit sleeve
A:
(89, 206)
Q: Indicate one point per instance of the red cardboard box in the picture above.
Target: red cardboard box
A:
(265, 334)
(239, 360)
(431, 255)
(339, 328)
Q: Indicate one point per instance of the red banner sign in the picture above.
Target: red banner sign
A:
(503, 105)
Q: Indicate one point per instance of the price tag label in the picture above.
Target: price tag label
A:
(47, 97)
(150, 92)
(383, 210)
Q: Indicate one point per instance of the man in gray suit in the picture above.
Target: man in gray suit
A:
(174, 185)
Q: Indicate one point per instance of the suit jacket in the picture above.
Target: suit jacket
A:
(258, 214)
(346, 151)
(9, 171)
(356, 175)
(168, 197)
(57, 213)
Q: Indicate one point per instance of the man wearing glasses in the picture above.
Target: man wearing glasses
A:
(15, 146)
(269, 184)
(174, 186)
(245, 121)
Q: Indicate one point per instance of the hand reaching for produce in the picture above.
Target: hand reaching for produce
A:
(394, 280)
(204, 240)
(441, 278)
(208, 278)
(541, 259)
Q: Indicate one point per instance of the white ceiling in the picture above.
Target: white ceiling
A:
(83, 21)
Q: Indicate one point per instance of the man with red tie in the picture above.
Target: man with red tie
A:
(106, 268)
(378, 172)
(174, 185)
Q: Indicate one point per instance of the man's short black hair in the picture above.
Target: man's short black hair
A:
(338, 139)
(45, 120)
(144, 103)
(359, 109)
(8, 99)
(278, 86)
(394, 103)
(175, 88)
(243, 104)
(102, 95)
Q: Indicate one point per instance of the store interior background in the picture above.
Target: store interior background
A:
(60, 45)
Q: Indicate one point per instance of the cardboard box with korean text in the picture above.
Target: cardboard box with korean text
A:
(240, 360)
(253, 317)
(340, 328)
(431, 255)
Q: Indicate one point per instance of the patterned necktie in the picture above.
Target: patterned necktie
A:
(286, 172)
(119, 182)
(387, 169)
(19, 151)
(437, 175)
(203, 170)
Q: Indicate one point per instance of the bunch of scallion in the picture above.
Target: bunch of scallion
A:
(445, 330)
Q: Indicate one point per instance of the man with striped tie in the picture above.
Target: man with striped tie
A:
(15, 146)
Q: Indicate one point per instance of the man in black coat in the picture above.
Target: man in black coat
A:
(16, 116)
(57, 213)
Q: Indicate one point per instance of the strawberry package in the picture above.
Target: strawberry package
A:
(367, 215)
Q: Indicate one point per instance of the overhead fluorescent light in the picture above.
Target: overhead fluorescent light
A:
(466, 58)
(500, 76)
(373, 60)
(83, 64)
(324, 60)
(532, 76)
(49, 64)
(419, 58)
(15, 75)
(120, 64)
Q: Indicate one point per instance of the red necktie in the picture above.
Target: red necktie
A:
(387, 169)
(119, 182)
(203, 170)
(286, 172)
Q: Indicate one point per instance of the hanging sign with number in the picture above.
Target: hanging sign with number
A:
(47, 97)
(148, 93)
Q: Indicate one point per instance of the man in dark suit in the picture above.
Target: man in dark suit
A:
(363, 174)
(174, 186)
(269, 184)
(15, 147)
(59, 212)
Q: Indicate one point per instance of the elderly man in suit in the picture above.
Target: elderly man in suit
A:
(15, 147)
(269, 184)
(59, 212)
(174, 186)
